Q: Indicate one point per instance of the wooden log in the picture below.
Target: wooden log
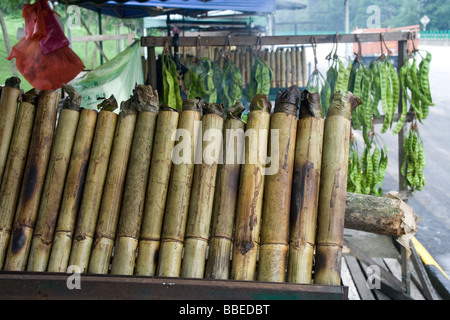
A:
(133, 200)
(218, 263)
(8, 108)
(305, 189)
(156, 193)
(33, 181)
(73, 191)
(108, 216)
(202, 193)
(251, 190)
(15, 164)
(93, 187)
(177, 207)
(333, 188)
(380, 215)
(54, 181)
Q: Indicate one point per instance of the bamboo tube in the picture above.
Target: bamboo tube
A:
(251, 188)
(274, 68)
(283, 68)
(225, 196)
(202, 194)
(15, 164)
(305, 189)
(288, 68)
(8, 107)
(54, 182)
(33, 181)
(242, 64)
(73, 189)
(278, 68)
(136, 181)
(333, 188)
(94, 183)
(293, 67)
(299, 69)
(177, 204)
(156, 194)
(304, 67)
(277, 194)
(248, 66)
(108, 215)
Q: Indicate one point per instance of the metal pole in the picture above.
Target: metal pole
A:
(99, 11)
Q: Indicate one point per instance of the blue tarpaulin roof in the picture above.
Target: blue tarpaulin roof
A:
(139, 9)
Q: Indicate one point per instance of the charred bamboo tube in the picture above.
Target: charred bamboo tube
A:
(156, 194)
(277, 194)
(177, 204)
(54, 182)
(108, 216)
(305, 189)
(251, 189)
(333, 188)
(94, 183)
(130, 217)
(8, 107)
(225, 196)
(33, 181)
(14, 168)
(73, 190)
(202, 194)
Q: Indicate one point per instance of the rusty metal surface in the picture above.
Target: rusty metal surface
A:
(54, 286)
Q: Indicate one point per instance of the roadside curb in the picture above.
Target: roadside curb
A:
(437, 276)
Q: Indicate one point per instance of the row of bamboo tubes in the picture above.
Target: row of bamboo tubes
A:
(125, 193)
(288, 64)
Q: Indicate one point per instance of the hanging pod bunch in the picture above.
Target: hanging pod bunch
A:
(360, 83)
(366, 175)
(413, 162)
(415, 85)
(200, 82)
(389, 89)
(171, 91)
(260, 78)
(337, 79)
(228, 81)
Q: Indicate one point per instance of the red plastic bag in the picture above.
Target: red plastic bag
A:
(43, 56)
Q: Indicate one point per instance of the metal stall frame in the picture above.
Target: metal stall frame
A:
(401, 37)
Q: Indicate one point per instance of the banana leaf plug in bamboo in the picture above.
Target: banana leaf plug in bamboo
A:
(333, 188)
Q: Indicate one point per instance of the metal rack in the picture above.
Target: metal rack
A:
(401, 37)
